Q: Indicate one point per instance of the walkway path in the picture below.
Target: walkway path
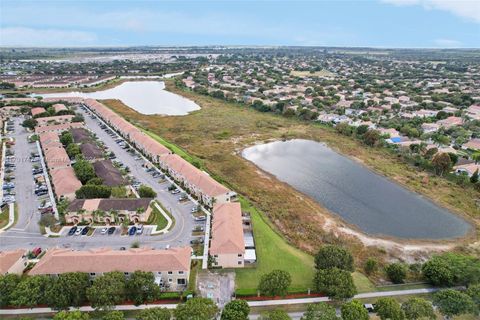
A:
(250, 303)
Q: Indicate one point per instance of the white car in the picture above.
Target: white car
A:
(79, 231)
(104, 231)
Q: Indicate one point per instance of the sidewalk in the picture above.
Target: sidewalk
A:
(250, 303)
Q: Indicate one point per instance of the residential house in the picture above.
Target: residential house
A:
(171, 267)
(109, 210)
(13, 262)
(227, 246)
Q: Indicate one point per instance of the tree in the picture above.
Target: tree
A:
(154, 314)
(389, 308)
(275, 315)
(371, 266)
(73, 150)
(141, 287)
(275, 283)
(361, 130)
(73, 315)
(146, 192)
(196, 309)
(320, 311)
(30, 123)
(236, 310)
(68, 290)
(66, 138)
(396, 272)
(453, 303)
(30, 291)
(474, 292)
(337, 284)
(107, 290)
(451, 269)
(344, 129)
(114, 315)
(84, 170)
(89, 191)
(8, 283)
(442, 163)
(354, 310)
(331, 256)
(474, 177)
(418, 308)
(371, 137)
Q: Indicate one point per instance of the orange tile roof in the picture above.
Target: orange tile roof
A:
(206, 184)
(227, 229)
(37, 110)
(58, 127)
(64, 181)
(58, 261)
(59, 107)
(9, 258)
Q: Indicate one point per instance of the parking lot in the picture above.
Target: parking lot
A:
(19, 167)
(27, 232)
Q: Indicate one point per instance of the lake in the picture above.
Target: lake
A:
(147, 97)
(361, 197)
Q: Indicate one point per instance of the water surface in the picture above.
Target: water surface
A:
(361, 197)
(147, 97)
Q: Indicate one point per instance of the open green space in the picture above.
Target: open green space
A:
(273, 252)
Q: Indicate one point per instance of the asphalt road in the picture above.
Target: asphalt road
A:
(25, 234)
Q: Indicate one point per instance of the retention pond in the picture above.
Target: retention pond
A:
(373, 203)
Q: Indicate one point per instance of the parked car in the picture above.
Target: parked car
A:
(140, 229)
(197, 241)
(46, 210)
(85, 231)
(72, 231)
(36, 251)
(201, 218)
(111, 230)
(78, 231)
(132, 231)
(176, 191)
(45, 205)
(103, 231)
(41, 192)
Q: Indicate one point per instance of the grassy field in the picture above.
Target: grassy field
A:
(273, 253)
(216, 134)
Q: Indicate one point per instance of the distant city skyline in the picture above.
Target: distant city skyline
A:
(375, 23)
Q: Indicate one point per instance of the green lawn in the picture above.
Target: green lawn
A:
(157, 218)
(273, 252)
(174, 148)
(362, 283)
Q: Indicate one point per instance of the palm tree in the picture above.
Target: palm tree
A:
(476, 157)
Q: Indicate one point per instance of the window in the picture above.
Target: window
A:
(215, 256)
(181, 281)
(159, 273)
(180, 272)
(170, 280)
(239, 255)
(170, 272)
(125, 273)
(92, 274)
(239, 262)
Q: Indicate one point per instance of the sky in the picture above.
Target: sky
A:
(354, 23)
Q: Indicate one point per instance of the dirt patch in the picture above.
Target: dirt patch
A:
(216, 286)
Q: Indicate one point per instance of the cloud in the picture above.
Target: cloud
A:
(468, 9)
(19, 36)
(447, 43)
